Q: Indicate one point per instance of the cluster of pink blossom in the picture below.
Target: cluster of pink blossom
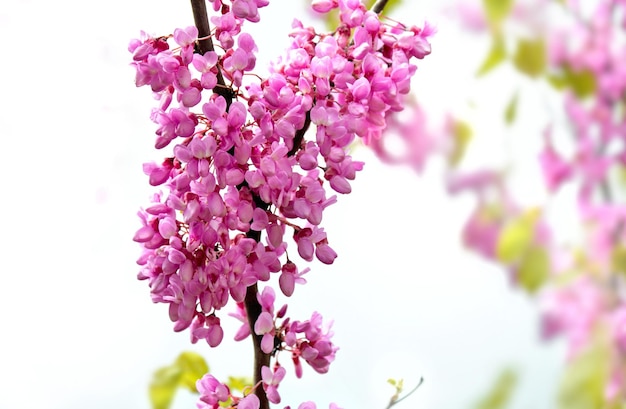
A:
(242, 177)
(580, 287)
(594, 302)
(582, 297)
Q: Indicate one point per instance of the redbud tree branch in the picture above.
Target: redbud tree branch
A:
(201, 20)
(253, 308)
(379, 6)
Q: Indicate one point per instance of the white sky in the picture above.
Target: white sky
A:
(79, 331)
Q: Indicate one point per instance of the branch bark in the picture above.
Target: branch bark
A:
(201, 20)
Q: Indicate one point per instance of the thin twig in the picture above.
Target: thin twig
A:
(396, 401)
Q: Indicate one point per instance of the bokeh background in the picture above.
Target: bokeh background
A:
(407, 300)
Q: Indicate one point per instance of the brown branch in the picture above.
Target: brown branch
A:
(379, 6)
(261, 359)
(201, 20)
(253, 310)
(297, 139)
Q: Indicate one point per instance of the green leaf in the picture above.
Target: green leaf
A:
(182, 373)
(501, 392)
(584, 380)
(511, 110)
(618, 259)
(530, 56)
(497, 10)
(163, 387)
(534, 269)
(583, 82)
(496, 56)
(462, 134)
(239, 383)
(516, 236)
(193, 367)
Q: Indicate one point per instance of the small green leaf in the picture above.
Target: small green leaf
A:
(516, 236)
(583, 82)
(497, 10)
(534, 269)
(584, 381)
(462, 134)
(501, 392)
(239, 383)
(511, 110)
(558, 82)
(182, 373)
(530, 57)
(163, 387)
(618, 259)
(496, 56)
(193, 367)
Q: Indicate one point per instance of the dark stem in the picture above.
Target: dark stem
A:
(261, 359)
(379, 6)
(253, 308)
(297, 139)
(201, 20)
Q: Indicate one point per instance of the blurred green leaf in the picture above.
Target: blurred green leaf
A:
(462, 134)
(583, 383)
(510, 113)
(496, 56)
(530, 56)
(618, 259)
(183, 373)
(239, 383)
(534, 269)
(516, 236)
(163, 387)
(583, 83)
(193, 367)
(497, 10)
(501, 392)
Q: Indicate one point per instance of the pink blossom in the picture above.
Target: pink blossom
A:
(211, 392)
(251, 401)
(271, 381)
(244, 179)
(324, 6)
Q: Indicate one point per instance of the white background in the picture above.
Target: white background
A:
(78, 329)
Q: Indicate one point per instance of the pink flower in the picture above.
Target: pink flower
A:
(211, 392)
(249, 402)
(271, 381)
(324, 6)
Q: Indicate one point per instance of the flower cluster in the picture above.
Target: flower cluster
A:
(580, 285)
(242, 182)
